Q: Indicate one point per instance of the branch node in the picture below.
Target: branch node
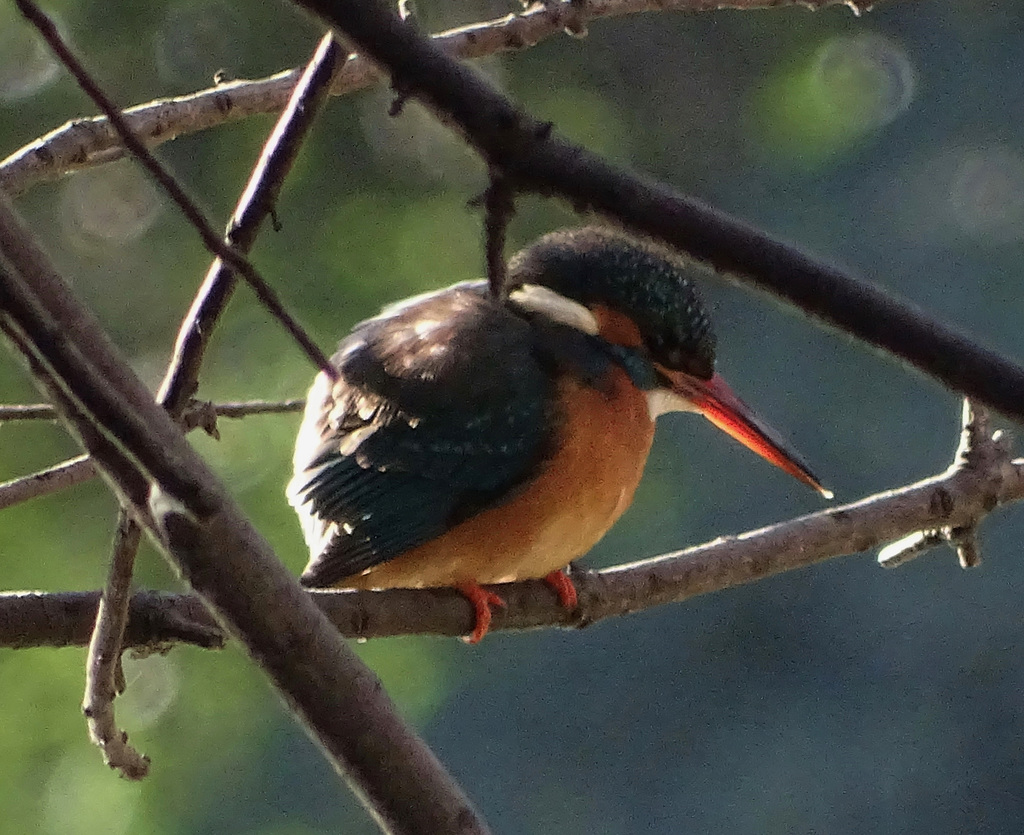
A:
(965, 542)
(200, 414)
(575, 21)
(909, 547)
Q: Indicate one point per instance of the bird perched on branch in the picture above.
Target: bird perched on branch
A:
(471, 440)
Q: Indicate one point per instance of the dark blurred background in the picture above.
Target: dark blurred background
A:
(838, 699)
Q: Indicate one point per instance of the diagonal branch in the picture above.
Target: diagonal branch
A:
(535, 160)
(264, 292)
(205, 536)
(256, 203)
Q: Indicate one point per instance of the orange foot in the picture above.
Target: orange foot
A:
(482, 601)
(566, 591)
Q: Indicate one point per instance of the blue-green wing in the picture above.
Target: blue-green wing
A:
(442, 407)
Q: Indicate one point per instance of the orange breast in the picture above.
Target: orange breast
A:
(554, 519)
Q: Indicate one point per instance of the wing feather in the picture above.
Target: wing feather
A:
(441, 409)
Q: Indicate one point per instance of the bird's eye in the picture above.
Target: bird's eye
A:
(669, 355)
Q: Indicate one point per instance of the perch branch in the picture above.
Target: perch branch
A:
(84, 143)
(961, 496)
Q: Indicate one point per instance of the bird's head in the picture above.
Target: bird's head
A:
(640, 299)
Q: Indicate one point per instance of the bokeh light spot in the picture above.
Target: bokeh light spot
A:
(986, 196)
(850, 87)
(151, 688)
(82, 797)
(112, 204)
(26, 63)
(868, 79)
(198, 39)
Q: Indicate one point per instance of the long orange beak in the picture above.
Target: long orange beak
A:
(715, 400)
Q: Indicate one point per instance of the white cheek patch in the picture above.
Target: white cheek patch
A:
(662, 401)
(543, 300)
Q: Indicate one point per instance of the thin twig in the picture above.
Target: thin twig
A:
(499, 206)
(255, 204)
(78, 470)
(27, 411)
(244, 408)
(536, 160)
(214, 243)
(229, 409)
(58, 477)
(980, 450)
(104, 660)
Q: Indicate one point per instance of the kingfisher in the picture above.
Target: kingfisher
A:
(470, 439)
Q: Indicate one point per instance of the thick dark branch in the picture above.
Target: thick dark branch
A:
(84, 143)
(128, 485)
(225, 560)
(535, 160)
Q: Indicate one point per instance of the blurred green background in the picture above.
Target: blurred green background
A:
(839, 699)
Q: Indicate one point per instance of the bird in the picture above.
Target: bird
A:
(472, 438)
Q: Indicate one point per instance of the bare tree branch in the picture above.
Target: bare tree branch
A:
(175, 395)
(228, 409)
(499, 206)
(103, 677)
(256, 203)
(80, 469)
(84, 143)
(31, 619)
(533, 159)
(214, 243)
(980, 449)
(182, 375)
(206, 537)
(960, 497)
(58, 477)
